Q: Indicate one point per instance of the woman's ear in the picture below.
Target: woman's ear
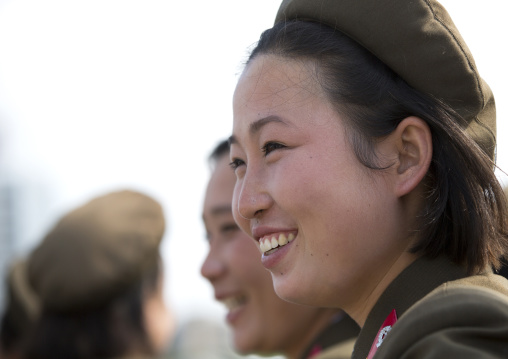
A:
(412, 143)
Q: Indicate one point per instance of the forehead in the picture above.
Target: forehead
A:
(270, 82)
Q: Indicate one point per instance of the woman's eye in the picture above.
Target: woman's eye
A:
(271, 146)
(230, 227)
(236, 163)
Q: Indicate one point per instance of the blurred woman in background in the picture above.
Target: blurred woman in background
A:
(99, 276)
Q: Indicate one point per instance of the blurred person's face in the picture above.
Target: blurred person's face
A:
(159, 321)
(260, 320)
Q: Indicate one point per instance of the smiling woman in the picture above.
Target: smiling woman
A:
(302, 194)
(378, 159)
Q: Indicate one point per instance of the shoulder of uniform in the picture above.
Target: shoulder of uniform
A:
(487, 281)
(467, 317)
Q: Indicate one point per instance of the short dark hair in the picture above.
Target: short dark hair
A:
(220, 150)
(464, 216)
(111, 330)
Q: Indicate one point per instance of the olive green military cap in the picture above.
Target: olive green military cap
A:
(97, 251)
(419, 41)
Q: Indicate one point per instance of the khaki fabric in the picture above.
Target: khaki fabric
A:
(97, 251)
(455, 321)
(443, 313)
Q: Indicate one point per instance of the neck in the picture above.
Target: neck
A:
(361, 310)
(408, 210)
(300, 344)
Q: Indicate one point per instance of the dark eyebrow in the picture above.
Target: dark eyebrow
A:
(218, 210)
(257, 125)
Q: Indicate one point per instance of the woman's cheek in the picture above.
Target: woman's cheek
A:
(239, 219)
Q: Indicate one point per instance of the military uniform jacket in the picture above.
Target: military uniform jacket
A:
(442, 313)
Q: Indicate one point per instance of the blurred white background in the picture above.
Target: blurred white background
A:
(99, 95)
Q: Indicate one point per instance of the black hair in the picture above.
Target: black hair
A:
(111, 330)
(221, 149)
(464, 215)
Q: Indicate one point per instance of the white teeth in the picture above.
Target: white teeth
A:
(267, 243)
(262, 246)
(282, 240)
(234, 302)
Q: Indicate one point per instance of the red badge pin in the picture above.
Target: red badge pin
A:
(315, 351)
(390, 320)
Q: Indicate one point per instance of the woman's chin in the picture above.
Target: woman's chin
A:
(244, 344)
(295, 292)
(287, 291)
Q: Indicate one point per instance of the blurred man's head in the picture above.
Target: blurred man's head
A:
(261, 322)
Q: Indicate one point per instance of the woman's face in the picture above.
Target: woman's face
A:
(298, 177)
(159, 321)
(261, 322)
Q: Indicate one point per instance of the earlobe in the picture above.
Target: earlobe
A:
(413, 140)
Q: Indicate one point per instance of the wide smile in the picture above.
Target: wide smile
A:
(234, 302)
(271, 243)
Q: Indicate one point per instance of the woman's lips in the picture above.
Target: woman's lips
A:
(234, 305)
(234, 302)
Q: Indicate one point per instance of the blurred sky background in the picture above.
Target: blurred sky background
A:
(101, 95)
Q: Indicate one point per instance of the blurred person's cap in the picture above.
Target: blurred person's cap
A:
(97, 251)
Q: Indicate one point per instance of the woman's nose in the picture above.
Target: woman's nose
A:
(252, 198)
(213, 267)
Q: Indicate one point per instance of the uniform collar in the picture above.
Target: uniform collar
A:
(402, 293)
